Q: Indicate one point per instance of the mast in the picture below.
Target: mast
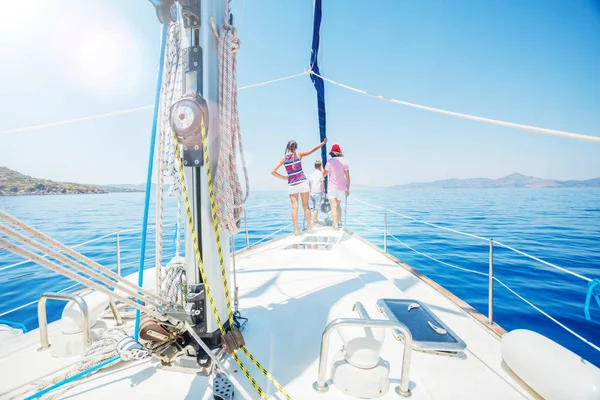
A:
(200, 91)
(205, 78)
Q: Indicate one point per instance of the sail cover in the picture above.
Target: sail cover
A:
(317, 80)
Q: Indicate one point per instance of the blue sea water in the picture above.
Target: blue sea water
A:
(561, 226)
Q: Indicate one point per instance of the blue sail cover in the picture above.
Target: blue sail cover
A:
(318, 81)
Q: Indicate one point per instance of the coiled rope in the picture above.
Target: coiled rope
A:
(230, 198)
(174, 284)
(100, 350)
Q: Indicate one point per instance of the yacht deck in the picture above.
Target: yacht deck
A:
(289, 296)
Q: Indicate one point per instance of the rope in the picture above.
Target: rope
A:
(75, 120)
(592, 285)
(209, 296)
(159, 215)
(109, 278)
(230, 199)
(179, 226)
(140, 280)
(171, 92)
(569, 135)
(174, 284)
(72, 247)
(103, 349)
(131, 110)
(578, 336)
(14, 325)
(78, 278)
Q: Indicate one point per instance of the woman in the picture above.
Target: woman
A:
(296, 179)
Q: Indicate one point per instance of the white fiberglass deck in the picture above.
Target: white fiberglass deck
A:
(289, 296)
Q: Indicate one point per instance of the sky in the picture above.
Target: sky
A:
(533, 62)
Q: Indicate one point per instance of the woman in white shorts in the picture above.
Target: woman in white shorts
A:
(296, 179)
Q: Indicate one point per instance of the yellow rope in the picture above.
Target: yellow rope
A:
(223, 271)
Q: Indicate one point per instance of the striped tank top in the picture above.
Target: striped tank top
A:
(293, 166)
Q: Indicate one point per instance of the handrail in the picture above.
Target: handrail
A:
(271, 235)
(490, 275)
(585, 278)
(321, 385)
(43, 321)
(435, 259)
(478, 237)
(572, 332)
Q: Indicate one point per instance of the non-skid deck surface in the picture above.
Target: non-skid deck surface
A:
(290, 293)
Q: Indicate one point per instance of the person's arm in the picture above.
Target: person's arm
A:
(347, 172)
(277, 174)
(317, 147)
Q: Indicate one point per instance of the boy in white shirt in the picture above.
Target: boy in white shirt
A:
(315, 182)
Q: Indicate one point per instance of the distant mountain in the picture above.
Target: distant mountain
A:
(515, 180)
(13, 183)
(124, 188)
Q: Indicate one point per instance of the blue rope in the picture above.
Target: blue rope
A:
(144, 224)
(14, 325)
(592, 285)
(74, 377)
(165, 29)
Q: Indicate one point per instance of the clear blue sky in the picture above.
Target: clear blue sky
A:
(534, 62)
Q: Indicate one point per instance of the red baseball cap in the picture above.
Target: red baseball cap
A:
(336, 149)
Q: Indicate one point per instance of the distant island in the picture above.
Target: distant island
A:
(513, 181)
(13, 183)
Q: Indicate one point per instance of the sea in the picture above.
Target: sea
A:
(560, 226)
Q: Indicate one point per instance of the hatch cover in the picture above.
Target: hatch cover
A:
(428, 332)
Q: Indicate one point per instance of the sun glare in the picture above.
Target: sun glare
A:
(97, 51)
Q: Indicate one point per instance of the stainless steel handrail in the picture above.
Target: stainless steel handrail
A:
(321, 385)
(491, 242)
(43, 321)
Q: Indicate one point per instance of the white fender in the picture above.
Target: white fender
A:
(72, 320)
(553, 371)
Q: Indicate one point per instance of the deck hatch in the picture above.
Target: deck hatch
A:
(429, 333)
(320, 239)
(309, 246)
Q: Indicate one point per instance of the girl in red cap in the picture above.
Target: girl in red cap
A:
(296, 179)
(339, 182)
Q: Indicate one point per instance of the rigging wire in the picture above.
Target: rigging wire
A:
(570, 135)
(130, 110)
